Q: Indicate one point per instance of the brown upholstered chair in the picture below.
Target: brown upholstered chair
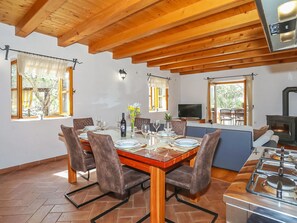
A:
(111, 175)
(197, 178)
(80, 123)
(140, 121)
(179, 127)
(79, 160)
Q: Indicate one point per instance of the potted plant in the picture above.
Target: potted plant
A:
(168, 125)
(168, 117)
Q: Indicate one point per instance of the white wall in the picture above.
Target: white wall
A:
(99, 92)
(267, 89)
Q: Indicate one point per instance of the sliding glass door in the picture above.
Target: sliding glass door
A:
(227, 102)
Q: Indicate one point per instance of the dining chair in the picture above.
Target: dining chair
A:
(79, 161)
(239, 116)
(179, 127)
(140, 121)
(196, 179)
(225, 115)
(80, 123)
(111, 175)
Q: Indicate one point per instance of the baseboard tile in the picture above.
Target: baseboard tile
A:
(31, 164)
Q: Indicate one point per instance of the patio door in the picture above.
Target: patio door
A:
(227, 102)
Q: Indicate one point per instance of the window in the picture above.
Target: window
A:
(158, 94)
(47, 95)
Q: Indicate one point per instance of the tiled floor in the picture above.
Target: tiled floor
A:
(36, 194)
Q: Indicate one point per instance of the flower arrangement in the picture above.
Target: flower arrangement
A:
(134, 110)
(168, 117)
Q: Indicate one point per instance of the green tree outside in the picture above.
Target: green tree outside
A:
(230, 95)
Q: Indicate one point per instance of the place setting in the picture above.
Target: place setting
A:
(129, 144)
(184, 144)
(100, 128)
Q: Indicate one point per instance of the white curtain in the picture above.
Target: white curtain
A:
(249, 99)
(208, 106)
(158, 82)
(40, 66)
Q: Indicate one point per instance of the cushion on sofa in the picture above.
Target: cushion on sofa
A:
(259, 132)
(263, 139)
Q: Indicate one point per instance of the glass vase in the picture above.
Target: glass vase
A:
(132, 130)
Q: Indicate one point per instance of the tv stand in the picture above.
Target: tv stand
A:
(192, 119)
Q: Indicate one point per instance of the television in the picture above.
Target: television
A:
(190, 110)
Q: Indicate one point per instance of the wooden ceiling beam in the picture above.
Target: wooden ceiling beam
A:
(230, 57)
(185, 60)
(232, 37)
(40, 10)
(103, 19)
(181, 16)
(276, 56)
(231, 23)
(267, 63)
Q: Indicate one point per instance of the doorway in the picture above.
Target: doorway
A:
(227, 102)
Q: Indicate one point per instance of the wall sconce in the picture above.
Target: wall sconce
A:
(122, 73)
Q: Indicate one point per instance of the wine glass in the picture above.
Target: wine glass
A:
(156, 125)
(98, 121)
(103, 125)
(168, 127)
(145, 128)
(118, 121)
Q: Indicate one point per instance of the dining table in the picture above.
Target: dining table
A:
(156, 154)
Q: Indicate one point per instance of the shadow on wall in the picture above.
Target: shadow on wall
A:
(282, 68)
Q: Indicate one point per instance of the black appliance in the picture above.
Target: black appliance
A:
(190, 111)
(285, 126)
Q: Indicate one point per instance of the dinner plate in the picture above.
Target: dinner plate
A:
(186, 142)
(163, 133)
(127, 143)
(83, 136)
(90, 128)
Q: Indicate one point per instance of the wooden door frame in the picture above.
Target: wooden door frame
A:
(228, 82)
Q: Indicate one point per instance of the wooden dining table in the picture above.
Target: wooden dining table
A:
(155, 158)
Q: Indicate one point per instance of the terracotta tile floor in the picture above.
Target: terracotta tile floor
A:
(36, 194)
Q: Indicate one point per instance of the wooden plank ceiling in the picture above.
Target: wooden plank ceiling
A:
(182, 36)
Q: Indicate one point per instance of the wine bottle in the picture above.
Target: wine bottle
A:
(123, 126)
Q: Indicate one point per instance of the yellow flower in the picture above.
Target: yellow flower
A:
(134, 111)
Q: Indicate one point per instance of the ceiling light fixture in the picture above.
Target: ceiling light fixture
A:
(279, 18)
(122, 73)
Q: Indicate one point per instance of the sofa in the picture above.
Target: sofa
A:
(235, 145)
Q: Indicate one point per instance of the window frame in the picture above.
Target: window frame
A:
(154, 99)
(19, 98)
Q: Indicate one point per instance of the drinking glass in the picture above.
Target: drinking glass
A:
(103, 125)
(168, 127)
(156, 125)
(98, 121)
(145, 128)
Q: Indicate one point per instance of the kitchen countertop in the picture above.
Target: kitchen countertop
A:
(236, 195)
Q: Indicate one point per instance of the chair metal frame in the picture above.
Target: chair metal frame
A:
(93, 220)
(67, 195)
(210, 148)
(175, 193)
(104, 146)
